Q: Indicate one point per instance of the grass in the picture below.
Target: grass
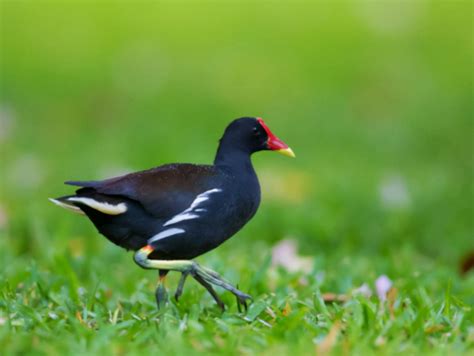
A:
(74, 305)
(375, 100)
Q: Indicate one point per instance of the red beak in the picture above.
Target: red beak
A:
(274, 143)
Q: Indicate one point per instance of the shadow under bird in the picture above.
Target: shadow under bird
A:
(173, 213)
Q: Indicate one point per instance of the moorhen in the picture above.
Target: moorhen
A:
(176, 212)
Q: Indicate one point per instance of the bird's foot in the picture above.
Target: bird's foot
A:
(242, 299)
(208, 277)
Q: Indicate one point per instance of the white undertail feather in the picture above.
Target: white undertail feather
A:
(166, 233)
(191, 212)
(71, 207)
(105, 208)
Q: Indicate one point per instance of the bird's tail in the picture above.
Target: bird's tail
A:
(64, 203)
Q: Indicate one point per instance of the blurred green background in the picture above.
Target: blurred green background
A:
(374, 98)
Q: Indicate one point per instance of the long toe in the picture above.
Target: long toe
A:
(179, 289)
(242, 300)
(211, 291)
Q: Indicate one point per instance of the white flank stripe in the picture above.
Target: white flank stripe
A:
(190, 213)
(105, 208)
(180, 217)
(166, 233)
(72, 208)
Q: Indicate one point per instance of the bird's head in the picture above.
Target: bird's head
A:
(252, 135)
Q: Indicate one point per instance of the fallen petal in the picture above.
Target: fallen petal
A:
(382, 286)
(363, 290)
(284, 254)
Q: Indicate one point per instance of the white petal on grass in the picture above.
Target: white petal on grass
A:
(363, 290)
(285, 254)
(53, 315)
(382, 286)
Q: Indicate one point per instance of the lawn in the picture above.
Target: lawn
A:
(375, 100)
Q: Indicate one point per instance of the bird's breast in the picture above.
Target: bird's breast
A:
(213, 217)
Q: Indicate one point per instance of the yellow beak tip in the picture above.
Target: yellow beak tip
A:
(287, 152)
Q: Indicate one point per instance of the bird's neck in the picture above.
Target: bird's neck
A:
(233, 157)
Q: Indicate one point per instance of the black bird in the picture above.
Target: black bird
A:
(176, 212)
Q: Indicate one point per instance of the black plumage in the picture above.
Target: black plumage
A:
(180, 211)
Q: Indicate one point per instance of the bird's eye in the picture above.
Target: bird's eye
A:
(256, 131)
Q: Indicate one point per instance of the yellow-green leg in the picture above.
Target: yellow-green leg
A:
(204, 276)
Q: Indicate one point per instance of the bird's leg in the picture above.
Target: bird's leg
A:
(160, 294)
(141, 258)
(205, 276)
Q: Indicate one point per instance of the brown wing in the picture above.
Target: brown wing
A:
(163, 191)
